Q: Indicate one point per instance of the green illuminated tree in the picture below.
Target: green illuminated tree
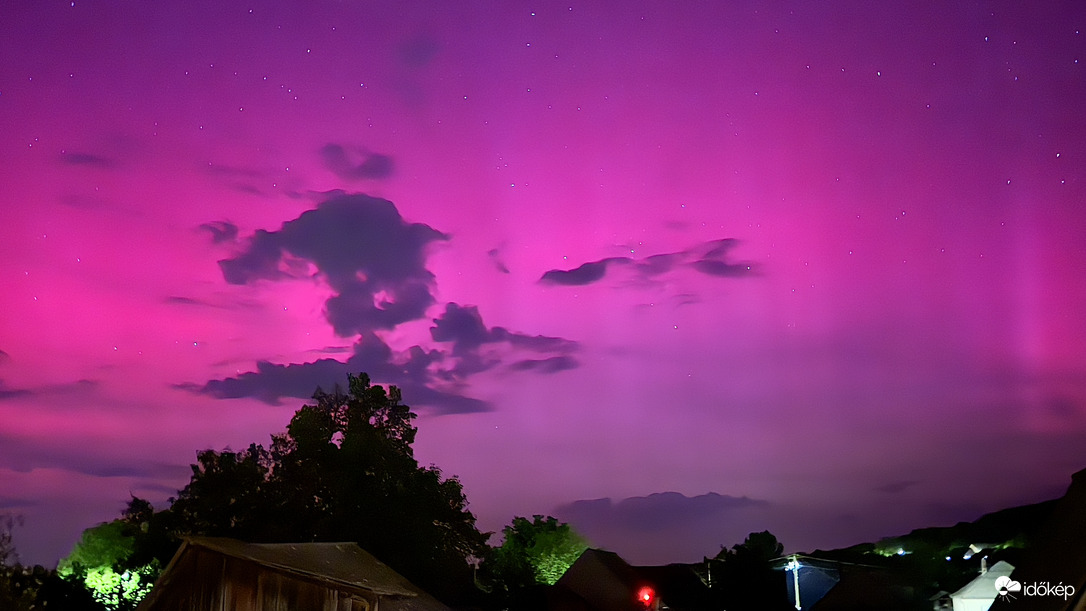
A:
(98, 562)
(533, 552)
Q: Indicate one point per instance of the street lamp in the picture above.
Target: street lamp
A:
(793, 565)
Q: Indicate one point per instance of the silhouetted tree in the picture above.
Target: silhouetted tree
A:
(743, 577)
(343, 471)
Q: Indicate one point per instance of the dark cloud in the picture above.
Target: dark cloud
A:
(410, 371)
(897, 487)
(24, 454)
(496, 259)
(553, 364)
(79, 386)
(6, 392)
(371, 257)
(375, 263)
(722, 269)
(421, 373)
(221, 231)
(356, 164)
(11, 502)
(332, 350)
(463, 327)
(86, 159)
(585, 273)
(657, 511)
(707, 258)
(184, 300)
(219, 303)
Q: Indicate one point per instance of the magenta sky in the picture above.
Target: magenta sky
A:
(815, 267)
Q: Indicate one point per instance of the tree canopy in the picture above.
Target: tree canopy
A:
(98, 561)
(743, 577)
(533, 552)
(344, 470)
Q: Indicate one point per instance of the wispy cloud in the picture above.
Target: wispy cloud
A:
(709, 258)
(356, 163)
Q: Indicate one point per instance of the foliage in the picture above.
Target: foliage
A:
(102, 545)
(757, 548)
(344, 470)
(25, 588)
(8, 555)
(98, 561)
(532, 553)
(743, 577)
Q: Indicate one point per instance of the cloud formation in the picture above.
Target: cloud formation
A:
(7, 392)
(24, 454)
(428, 377)
(658, 511)
(668, 526)
(79, 386)
(496, 258)
(13, 502)
(552, 364)
(708, 258)
(221, 231)
(361, 246)
(411, 371)
(357, 164)
(463, 327)
(375, 263)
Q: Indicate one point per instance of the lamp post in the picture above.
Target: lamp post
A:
(793, 565)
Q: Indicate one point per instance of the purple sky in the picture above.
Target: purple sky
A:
(672, 271)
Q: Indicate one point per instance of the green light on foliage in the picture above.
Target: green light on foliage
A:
(536, 551)
(93, 560)
(112, 589)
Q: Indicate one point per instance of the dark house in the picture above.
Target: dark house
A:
(826, 584)
(603, 581)
(217, 573)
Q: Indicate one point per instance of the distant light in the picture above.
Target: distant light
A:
(900, 552)
(646, 595)
(948, 558)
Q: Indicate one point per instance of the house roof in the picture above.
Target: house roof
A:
(983, 586)
(344, 565)
(339, 563)
(605, 581)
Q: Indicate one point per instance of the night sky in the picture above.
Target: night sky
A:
(671, 271)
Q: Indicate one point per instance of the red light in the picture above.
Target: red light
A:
(645, 595)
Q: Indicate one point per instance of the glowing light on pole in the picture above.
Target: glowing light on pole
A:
(793, 565)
